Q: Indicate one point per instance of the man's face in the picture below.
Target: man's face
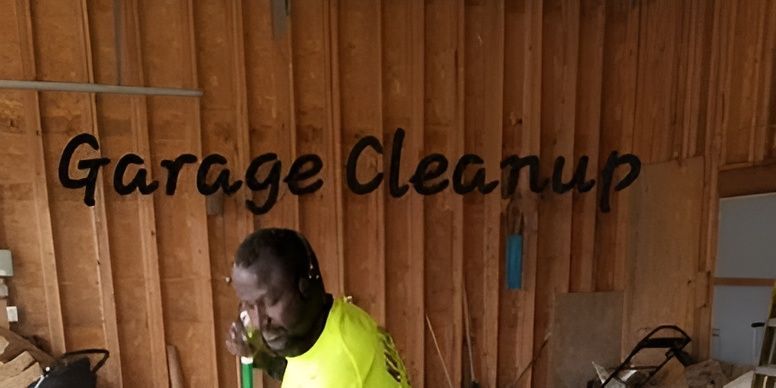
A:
(277, 307)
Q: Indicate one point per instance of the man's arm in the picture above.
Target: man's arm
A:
(273, 366)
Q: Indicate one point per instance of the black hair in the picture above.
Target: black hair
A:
(284, 247)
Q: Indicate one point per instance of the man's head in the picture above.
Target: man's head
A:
(276, 272)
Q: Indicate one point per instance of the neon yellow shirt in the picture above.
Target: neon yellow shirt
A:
(352, 352)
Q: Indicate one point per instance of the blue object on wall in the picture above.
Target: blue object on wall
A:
(514, 262)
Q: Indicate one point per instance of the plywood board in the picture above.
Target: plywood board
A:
(665, 212)
(586, 329)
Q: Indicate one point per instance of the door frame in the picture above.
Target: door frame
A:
(738, 182)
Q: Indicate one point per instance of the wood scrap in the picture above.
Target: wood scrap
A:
(598, 315)
(174, 365)
(743, 381)
(18, 344)
(3, 316)
(737, 371)
(671, 376)
(706, 374)
(734, 371)
(3, 345)
(23, 379)
(16, 366)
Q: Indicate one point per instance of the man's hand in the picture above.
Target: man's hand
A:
(237, 342)
(241, 344)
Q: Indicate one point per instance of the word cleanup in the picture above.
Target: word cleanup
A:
(265, 173)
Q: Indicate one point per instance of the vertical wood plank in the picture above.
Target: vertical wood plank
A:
(113, 374)
(358, 37)
(334, 117)
(725, 39)
(316, 100)
(560, 59)
(443, 223)
(586, 142)
(697, 79)
(150, 249)
(271, 104)
(133, 73)
(84, 268)
(741, 101)
(764, 120)
(403, 96)
(458, 147)
(758, 75)
(691, 78)
(516, 306)
(271, 108)
(654, 123)
(682, 92)
(174, 128)
(484, 80)
(696, 55)
(129, 239)
(123, 124)
(223, 106)
(531, 142)
(621, 45)
(201, 245)
(712, 158)
(617, 122)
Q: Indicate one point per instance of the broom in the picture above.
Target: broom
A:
(246, 369)
(246, 363)
(473, 383)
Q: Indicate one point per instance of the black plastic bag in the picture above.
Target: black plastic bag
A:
(73, 370)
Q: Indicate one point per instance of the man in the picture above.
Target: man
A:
(296, 331)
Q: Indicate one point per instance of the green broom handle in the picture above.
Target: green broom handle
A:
(246, 367)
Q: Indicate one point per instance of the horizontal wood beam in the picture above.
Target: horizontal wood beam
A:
(747, 181)
(752, 282)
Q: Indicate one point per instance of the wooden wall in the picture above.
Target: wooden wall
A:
(688, 86)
